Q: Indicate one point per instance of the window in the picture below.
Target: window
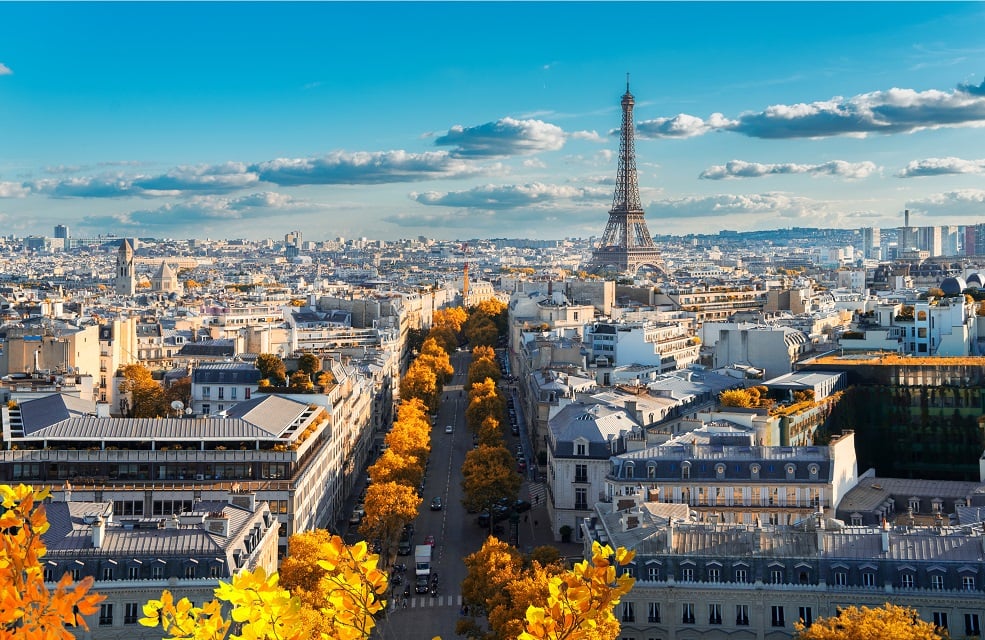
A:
(742, 615)
(687, 613)
(776, 576)
(968, 583)
(133, 571)
(972, 626)
(714, 574)
(937, 581)
(868, 579)
(206, 392)
(906, 580)
(48, 574)
(714, 614)
(157, 571)
(776, 616)
(581, 449)
(76, 574)
(628, 615)
(741, 575)
(841, 578)
(206, 409)
(686, 471)
(687, 575)
(105, 614)
(221, 394)
(581, 498)
(190, 570)
(805, 615)
(107, 573)
(581, 473)
(232, 393)
(215, 570)
(940, 619)
(653, 573)
(653, 612)
(651, 471)
(131, 613)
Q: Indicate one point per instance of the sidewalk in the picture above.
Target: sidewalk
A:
(535, 527)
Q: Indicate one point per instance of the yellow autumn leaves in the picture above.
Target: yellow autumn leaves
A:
(349, 592)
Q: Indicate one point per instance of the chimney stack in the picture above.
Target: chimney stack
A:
(906, 218)
(98, 533)
(885, 536)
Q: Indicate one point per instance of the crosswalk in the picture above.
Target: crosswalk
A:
(538, 493)
(426, 602)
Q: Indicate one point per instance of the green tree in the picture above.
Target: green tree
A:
(309, 363)
(272, 368)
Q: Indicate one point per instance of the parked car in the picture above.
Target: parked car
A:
(521, 505)
(429, 540)
(436, 503)
(405, 547)
(355, 518)
(449, 429)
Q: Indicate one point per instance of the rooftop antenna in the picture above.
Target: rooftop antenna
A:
(627, 81)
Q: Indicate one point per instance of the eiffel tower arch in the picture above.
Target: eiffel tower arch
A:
(626, 245)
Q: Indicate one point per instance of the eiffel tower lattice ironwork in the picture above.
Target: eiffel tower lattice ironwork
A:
(626, 244)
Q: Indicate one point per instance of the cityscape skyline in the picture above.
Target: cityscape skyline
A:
(485, 120)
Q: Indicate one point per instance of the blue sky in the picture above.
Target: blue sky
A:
(462, 120)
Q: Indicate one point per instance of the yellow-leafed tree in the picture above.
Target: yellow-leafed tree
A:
(858, 623)
(451, 318)
(346, 595)
(394, 467)
(488, 475)
(582, 599)
(28, 610)
(389, 506)
(436, 357)
(735, 398)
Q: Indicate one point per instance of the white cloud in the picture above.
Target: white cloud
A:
(960, 203)
(891, 111)
(591, 136)
(5, 70)
(502, 138)
(682, 126)
(743, 169)
(940, 166)
(200, 209)
(778, 204)
(365, 167)
(229, 176)
(13, 190)
(510, 196)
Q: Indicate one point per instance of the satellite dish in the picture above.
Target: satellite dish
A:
(177, 405)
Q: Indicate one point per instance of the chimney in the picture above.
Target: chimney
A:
(217, 522)
(885, 536)
(245, 499)
(102, 410)
(171, 523)
(63, 495)
(98, 533)
(906, 218)
(670, 536)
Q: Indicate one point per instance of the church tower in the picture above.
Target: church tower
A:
(126, 280)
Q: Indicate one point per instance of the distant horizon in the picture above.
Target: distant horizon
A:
(457, 120)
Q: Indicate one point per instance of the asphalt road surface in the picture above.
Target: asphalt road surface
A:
(456, 535)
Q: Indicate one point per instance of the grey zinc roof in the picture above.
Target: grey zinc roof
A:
(870, 493)
(71, 535)
(54, 408)
(226, 373)
(214, 348)
(261, 418)
(597, 423)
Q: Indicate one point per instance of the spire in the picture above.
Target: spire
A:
(627, 194)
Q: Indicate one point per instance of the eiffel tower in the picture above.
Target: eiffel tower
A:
(626, 244)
